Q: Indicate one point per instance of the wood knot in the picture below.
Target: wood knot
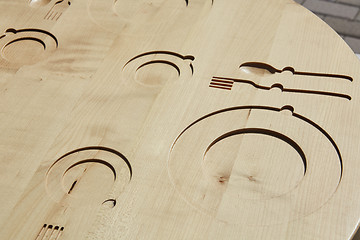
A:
(222, 180)
(251, 179)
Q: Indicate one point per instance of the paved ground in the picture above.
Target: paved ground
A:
(341, 15)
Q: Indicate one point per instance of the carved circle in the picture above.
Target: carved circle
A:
(156, 68)
(26, 46)
(110, 203)
(259, 182)
(156, 73)
(253, 165)
(97, 172)
(23, 50)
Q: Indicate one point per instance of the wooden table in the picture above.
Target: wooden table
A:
(195, 119)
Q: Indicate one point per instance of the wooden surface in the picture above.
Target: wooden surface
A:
(176, 119)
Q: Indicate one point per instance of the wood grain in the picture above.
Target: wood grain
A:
(198, 119)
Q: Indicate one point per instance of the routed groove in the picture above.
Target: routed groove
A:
(96, 160)
(273, 70)
(187, 57)
(192, 68)
(327, 136)
(111, 201)
(105, 163)
(269, 108)
(14, 31)
(48, 232)
(112, 159)
(59, 233)
(225, 88)
(222, 81)
(264, 132)
(331, 94)
(57, 10)
(221, 84)
(41, 232)
(281, 87)
(162, 58)
(163, 62)
(72, 187)
(27, 38)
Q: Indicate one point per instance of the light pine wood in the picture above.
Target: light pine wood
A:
(176, 119)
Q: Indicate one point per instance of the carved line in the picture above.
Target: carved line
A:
(46, 16)
(48, 232)
(290, 90)
(93, 161)
(187, 2)
(96, 148)
(14, 31)
(58, 17)
(221, 84)
(180, 63)
(220, 87)
(161, 61)
(230, 82)
(265, 132)
(187, 57)
(53, 16)
(331, 94)
(111, 201)
(192, 69)
(273, 70)
(327, 136)
(72, 186)
(57, 189)
(52, 11)
(287, 107)
(26, 38)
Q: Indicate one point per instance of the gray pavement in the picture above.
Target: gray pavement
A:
(342, 15)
